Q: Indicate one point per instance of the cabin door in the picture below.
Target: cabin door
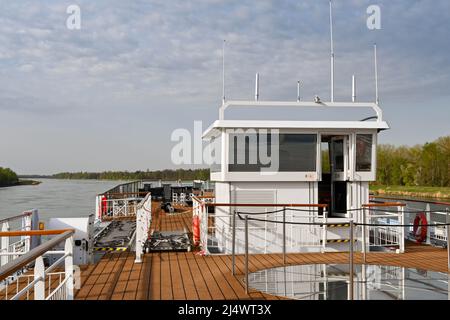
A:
(339, 166)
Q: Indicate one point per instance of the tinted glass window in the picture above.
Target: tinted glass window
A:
(297, 152)
(364, 152)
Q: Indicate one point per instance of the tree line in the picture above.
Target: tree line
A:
(179, 174)
(8, 177)
(420, 165)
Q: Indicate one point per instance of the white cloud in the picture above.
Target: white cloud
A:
(162, 58)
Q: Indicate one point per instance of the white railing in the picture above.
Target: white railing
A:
(116, 208)
(143, 222)
(383, 231)
(13, 247)
(9, 273)
(216, 229)
(436, 235)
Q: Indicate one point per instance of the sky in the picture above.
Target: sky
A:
(109, 95)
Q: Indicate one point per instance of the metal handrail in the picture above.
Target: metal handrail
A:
(24, 214)
(11, 267)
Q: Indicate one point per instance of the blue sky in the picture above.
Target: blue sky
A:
(108, 96)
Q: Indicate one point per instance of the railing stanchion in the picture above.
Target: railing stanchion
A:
(351, 260)
(233, 245)
(364, 244)
(39, 273)
(448, 237)
(68, 266)
(284, 236)
(246, 254)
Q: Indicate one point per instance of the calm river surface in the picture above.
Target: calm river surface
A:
(76, 198)
(54, 198)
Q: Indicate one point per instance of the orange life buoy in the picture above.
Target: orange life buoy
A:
(196, 230)
(420, 227)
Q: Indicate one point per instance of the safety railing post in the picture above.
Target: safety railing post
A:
(68, 267)
(402, 233)
(324, 229)
(4, 244)
(246, 254)
(351, 260)
(364, 243)
(39, 275)
(233, 245)
(448, 237)
(284, 236)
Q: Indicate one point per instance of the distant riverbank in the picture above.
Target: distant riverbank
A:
(22, 183)
(415, 191)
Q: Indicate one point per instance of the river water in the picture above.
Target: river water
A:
(54, 198)
(76, 198)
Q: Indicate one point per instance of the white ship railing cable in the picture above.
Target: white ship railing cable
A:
(248, 218)
(35, 257)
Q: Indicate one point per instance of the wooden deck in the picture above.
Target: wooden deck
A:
(183, 275)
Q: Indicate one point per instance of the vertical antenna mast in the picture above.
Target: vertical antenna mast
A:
(332, 52)
(223, 71)
(377, 98)
(353, 88)
(257, 87)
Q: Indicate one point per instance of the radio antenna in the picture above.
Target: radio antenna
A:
(377, 97)
(223, 71)
(332, 52)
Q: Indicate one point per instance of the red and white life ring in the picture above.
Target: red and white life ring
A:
(420, 228)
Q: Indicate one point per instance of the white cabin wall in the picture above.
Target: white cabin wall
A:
(265, 238)
(357, 196)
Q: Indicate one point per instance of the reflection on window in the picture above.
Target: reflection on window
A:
(244, 153)
(363, 152)
(297, 152)
(338, 150)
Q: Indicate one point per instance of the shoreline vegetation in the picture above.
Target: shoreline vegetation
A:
(419, 171)
(9, 178)
(411, 191)
(168, 175)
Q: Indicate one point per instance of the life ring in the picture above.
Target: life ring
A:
(420, 228)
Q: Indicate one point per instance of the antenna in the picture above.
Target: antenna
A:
(257, 87)
(353, 88)
(298, 91)
(223, 71)
(377, 98)
(332, 52)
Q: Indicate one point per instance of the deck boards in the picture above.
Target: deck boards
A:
(188, 275)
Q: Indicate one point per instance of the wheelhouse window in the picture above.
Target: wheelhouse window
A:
(250, 152)
(364, 152)
(298, 152)
(245, 149)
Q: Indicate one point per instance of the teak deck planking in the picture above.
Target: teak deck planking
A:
(188, 275)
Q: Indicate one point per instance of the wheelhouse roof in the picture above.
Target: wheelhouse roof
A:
(219, 125)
